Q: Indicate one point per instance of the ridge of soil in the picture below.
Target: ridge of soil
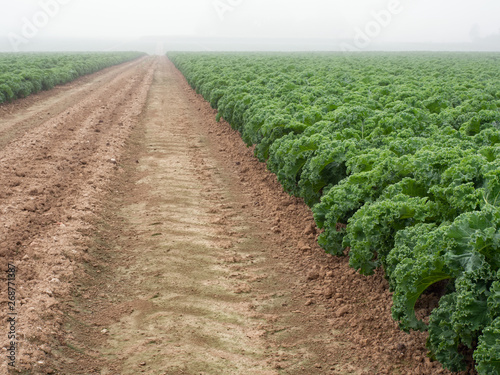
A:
(162, 246)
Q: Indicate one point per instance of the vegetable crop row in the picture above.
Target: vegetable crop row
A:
(25, 74)
(403, 151)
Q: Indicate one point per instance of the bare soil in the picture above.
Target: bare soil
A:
(148, 239)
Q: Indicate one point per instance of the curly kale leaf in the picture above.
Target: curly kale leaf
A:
(289, 154)
(479, 232)
(325, 167)
(487, 354)
(443, 341)
(471, 314)
(461, 317)
(371, 230)
(423, 255)
(373, 173)
(410, 278)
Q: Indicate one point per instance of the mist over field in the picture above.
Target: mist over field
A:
(156, 26)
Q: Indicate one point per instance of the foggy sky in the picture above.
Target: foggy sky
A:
(363, 22)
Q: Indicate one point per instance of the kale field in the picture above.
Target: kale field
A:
(398, 157)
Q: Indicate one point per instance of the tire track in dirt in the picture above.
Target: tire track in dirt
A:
(50, 182)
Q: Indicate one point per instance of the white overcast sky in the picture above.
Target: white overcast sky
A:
(438, 21)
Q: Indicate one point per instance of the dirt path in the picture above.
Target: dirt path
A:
(156, 243)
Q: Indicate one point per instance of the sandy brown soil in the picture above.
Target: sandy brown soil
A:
(148, 239)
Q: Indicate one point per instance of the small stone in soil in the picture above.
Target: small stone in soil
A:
(342, 311)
